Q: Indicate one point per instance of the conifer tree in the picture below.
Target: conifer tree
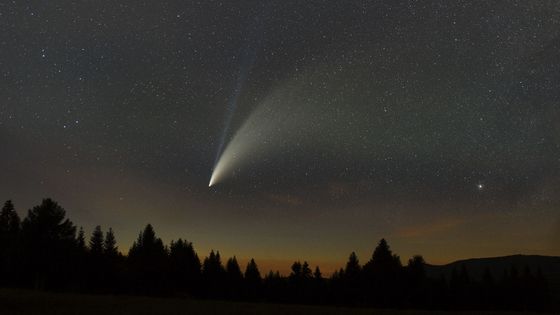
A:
(81, 240)
(232, 268)
(110, 248)
(317, 275)
(353, 268)
(306, 272)
(96, 242)
(185, 265)
(49, 240)
(252, 280)
(9, 220)
(252, 274)
(9, 239)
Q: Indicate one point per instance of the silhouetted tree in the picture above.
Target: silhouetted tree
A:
(416, 281)
(185, 267)
(9, 238)
(252, 280)
(296, 270)
(213, 274)
(317, 275)
(233, 270)
(9, 220)
(353, 268)
(306, 272)
(318, 288)
(110, 248)
(47, 248)
(81, 268)
(147, 261)
(48, 242)
(81, 241)
(112, 263)
(351, 286)
(96, 262)
(276, 288)
(301, 280)
(382, 274)
(96, 242)
(234, 278)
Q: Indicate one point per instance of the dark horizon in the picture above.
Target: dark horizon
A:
(45, 251)
(280, 265)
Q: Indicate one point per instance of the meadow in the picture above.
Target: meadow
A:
(25, 302)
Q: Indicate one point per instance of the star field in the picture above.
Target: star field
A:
(433, 124)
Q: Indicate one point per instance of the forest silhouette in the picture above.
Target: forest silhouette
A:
(46, 251)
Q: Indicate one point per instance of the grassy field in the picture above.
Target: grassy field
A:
(16, 302)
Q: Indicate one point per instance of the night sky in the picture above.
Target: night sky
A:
(434, 124)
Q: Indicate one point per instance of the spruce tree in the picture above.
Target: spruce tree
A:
(232, 269)
(252, 280)
(110, 248)
(48, 242)
(252, 274)
(96, 242)
(9, 220)
(317, 275)
(353, 268)
(9, 234)
(81, 240)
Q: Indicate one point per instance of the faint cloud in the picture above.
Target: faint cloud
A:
(430, 228)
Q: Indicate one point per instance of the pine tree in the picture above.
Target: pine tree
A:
(147, 259)
(306, 272)
(252, 274)
(232, 269)
(110, 248)
(81, 240)
(382, 274)
(49, 240)
(384, 257)
(416, 278)
(234, 278)
(213, 274)
(96, 242)
(147, 244)
(416, 269)
(317, 275)
(353, 268)
(185, 265)
(9, 220)
(47, 221)
(9, 237)
(9, 227)
(212, 265)
(252, 280)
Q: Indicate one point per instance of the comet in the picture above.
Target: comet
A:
(248, 58)
(268, 131)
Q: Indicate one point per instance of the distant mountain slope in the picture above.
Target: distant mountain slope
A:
(549, 266)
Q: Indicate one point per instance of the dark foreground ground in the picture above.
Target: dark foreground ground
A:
(22, 302)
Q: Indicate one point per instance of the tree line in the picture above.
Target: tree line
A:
(46, 251)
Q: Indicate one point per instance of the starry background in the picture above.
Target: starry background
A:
(434, 124)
